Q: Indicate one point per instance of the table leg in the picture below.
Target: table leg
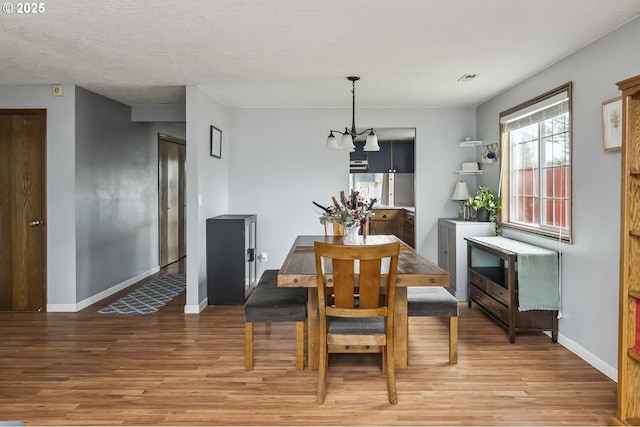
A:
(401, 329)
(313, 338)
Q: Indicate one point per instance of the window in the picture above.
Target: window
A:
(536, 169)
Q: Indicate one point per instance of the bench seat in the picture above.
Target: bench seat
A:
(438, 302)
(269, 303)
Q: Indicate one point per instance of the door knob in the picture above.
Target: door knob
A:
(34, 223)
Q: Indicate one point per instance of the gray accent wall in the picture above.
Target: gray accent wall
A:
(589, 267)
(116, 193)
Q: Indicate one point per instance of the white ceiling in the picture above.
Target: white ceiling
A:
(297, 53)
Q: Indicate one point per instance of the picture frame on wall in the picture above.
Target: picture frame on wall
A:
(612, 124)
(215, 136)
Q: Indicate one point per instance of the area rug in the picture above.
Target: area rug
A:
(149, 298)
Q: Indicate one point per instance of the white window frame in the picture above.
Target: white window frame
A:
(530, 112)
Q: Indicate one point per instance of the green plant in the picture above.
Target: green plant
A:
(485, 198)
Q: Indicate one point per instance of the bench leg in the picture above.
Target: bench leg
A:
(248, 346)
(299, 346)
(453, 340)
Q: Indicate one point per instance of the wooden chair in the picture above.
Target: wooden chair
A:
(360, 314)
(337, 229)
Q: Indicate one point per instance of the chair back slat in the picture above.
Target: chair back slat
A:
(344, 283)
(370, 283)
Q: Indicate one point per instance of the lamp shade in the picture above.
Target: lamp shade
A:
(372, 142)
(347, 143)
(461, 191)
(332, 142)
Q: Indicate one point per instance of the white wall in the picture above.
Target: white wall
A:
(279, 165)
(60, 221)
(590, 266)
(207, 186)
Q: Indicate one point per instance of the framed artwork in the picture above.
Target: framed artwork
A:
(612, 124)
(215, 147)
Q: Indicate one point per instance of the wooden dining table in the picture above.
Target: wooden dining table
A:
(299, 270)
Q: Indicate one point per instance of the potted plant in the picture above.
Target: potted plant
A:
(484, 204)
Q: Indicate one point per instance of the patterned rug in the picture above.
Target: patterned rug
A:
(149, 298)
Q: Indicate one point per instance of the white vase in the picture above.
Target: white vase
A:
(351, 234)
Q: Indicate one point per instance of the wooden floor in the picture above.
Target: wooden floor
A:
(175, 369)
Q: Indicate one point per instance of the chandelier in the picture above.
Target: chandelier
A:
(349, 135)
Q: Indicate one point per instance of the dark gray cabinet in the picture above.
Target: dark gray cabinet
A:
(231, 258)
(380, 161)
(394, 156)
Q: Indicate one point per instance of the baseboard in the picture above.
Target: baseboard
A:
(195, 309)
(61, 308)
(72, 308)
(588, 357)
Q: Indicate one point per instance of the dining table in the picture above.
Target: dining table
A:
(299, 270)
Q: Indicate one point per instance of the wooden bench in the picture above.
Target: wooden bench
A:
(269, 303)
(438, 302)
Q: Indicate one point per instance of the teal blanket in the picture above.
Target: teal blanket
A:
(538, 280)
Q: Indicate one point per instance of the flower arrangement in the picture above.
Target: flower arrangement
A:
(349, 212)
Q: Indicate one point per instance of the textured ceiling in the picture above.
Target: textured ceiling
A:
(297, 53)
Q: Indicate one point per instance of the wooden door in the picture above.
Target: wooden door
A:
(171, 199)
(22, 210)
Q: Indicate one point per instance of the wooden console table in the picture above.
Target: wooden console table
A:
(495, 289)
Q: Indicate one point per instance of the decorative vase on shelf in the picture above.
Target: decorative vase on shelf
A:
(351, 234)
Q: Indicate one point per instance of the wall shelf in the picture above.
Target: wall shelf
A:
(469, 143)
(477, 172)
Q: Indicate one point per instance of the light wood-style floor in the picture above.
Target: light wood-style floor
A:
(176, 369)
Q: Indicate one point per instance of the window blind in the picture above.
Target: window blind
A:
(535, 113)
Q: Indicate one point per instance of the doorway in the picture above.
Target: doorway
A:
(22, 210)
(172, 156)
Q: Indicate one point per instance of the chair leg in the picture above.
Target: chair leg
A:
(300, 346)
(322, 370)
(390, 373)
(453, 340)
(248, 346)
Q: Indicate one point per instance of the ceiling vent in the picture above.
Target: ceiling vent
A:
(468, 77)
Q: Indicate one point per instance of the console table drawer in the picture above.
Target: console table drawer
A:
(478, 295)
(494, 307)
(478, 280)
(498, 292)
(500, 311)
